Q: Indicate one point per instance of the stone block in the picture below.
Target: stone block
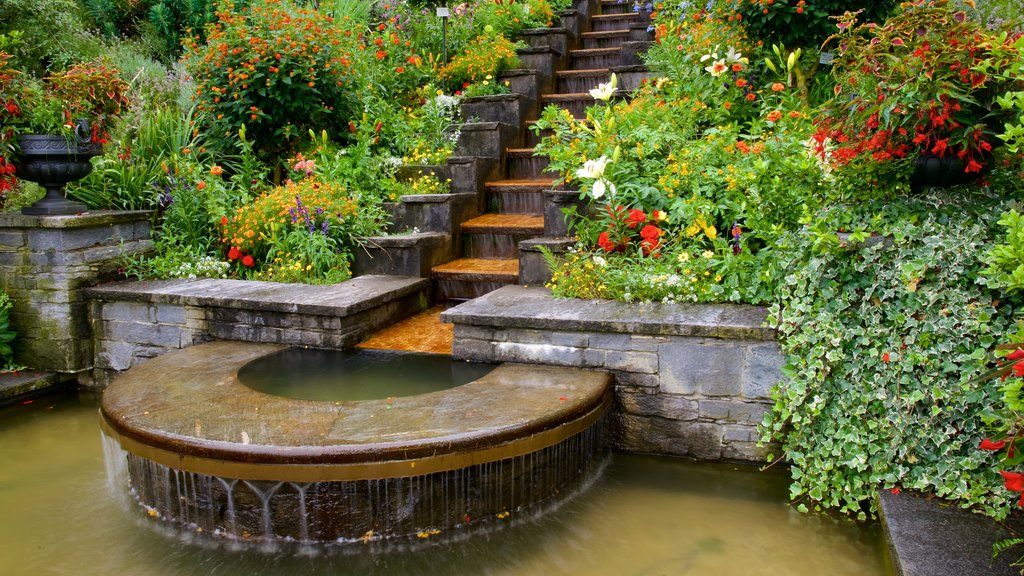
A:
(474, 350)
(647, 382)
(762, 370)
(643, 362)
(690, 365)
(169, 314)
(159, 335)
(747, 451)
(739, 433)
(470, 332)
(538, 354)
(733, 410)
(127, 311)
(526, 336)
(661, 405)
(114, 354)
(653, 435)
(610, 341)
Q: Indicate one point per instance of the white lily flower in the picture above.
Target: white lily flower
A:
(600, 187)
(593, 168)
(733, 56)
(717, 68)
(605, 90)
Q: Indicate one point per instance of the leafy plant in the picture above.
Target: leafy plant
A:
(881, 343)
(7, 335)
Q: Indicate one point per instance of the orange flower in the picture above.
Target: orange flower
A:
(216, 170)
(778, 87)
(774, 116)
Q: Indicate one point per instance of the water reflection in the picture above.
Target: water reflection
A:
(643, 516)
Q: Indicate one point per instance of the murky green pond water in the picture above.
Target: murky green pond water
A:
(644, 516)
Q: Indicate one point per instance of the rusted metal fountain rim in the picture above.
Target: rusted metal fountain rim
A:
(188, 411)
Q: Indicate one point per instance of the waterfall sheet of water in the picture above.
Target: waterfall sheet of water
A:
(443, 504)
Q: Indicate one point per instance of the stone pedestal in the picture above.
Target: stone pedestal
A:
(45, 262)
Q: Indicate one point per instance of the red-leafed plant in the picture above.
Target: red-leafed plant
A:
(914, 86)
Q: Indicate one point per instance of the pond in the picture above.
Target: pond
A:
(643, 515)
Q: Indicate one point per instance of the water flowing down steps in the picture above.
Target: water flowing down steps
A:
(491, 244)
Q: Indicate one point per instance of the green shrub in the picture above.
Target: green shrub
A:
(803, 23)
(279, 81)
(881, 342)
(7, 335)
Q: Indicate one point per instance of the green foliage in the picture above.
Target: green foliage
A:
(804, 23)
(279, 81)
(1005, 270)
(484, 57)
(881, 342)
(7, 334)
(52, 34)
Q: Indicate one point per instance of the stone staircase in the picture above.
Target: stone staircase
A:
(504, 203)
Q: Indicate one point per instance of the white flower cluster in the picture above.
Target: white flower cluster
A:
(205, 267)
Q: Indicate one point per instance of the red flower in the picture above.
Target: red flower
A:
(885, 357)
(1017, 354)
(234, 254)
(972, 166)
(399, 70)
(1013, 481)
(223, 220)
(651, 233)
(940, 146)
(1018, 368)
(988, 444)
(605, 243)
(381, 54)
(635, 218)
(247, 261)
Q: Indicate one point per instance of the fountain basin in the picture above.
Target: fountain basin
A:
(203, 451)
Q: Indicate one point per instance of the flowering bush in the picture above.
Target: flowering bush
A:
(277, 69)
(913, 87)
(316, 223)
(484, 56)
(803, 23)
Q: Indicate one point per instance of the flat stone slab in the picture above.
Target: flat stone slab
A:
(930, 537)
(343, 299)
(25, 383)
(536, 308)
(187, 410)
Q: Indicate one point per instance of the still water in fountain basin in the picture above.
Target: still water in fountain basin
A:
(643, 516)
(358, 374)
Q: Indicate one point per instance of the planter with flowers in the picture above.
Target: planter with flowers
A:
(912, 102)
(56, 128)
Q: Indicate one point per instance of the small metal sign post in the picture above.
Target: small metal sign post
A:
(443, 14)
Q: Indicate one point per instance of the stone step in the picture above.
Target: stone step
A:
(533, 137)
(521, 164)
(492, 236)
(616, 7)
(602, 22)
(592, 58)
(576, 103)
(492, 223)
(580, 81)
(468, 278)
(604, 39)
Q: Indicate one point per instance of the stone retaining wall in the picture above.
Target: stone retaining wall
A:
(691, 380)
(133, 321)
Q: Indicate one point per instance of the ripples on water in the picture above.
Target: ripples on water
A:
(643, 516)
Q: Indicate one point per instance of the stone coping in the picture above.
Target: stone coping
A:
(188, 407)
(536, 308)
(15, 386)
(931, 537)
(83, 220)
(343, 299)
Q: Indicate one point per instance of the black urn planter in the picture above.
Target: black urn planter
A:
(940, 171)
(53, 161)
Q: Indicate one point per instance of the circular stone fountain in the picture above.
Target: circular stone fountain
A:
(203, 451)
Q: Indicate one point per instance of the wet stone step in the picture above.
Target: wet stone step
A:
(579, 81)
(602, 22)
(592, 58)
(576, 103)
(533, 136)
(468, 278)
(492, 245)
(521, 164)
(616, 7)
(604, 39)
(505, 224)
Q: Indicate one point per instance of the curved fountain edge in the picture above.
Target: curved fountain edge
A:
(210, 423)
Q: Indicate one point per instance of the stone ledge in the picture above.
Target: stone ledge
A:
(25, 383)
(83, 220)
(519, 307)
(344, 299)
(931, 537)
